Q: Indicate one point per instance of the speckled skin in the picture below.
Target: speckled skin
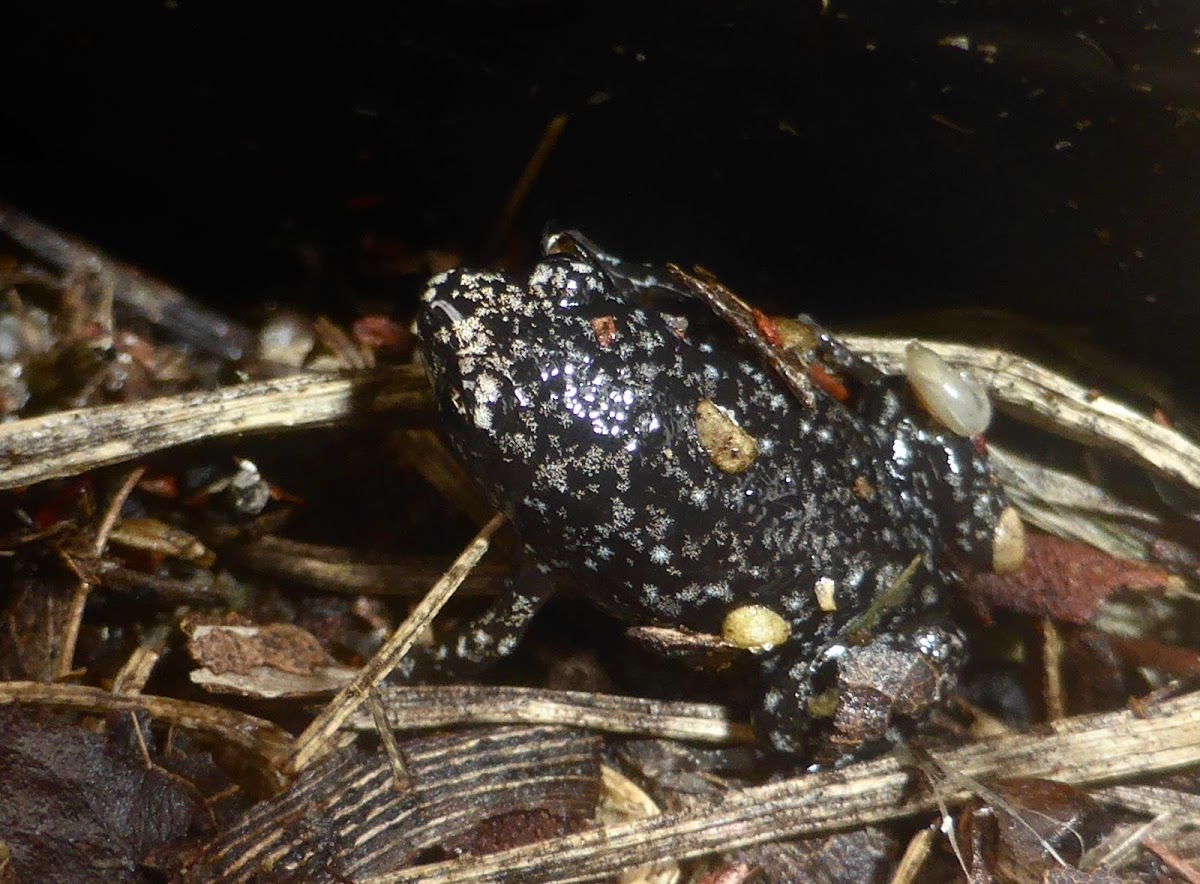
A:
(571, 396)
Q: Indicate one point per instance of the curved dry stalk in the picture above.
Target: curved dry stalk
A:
(1055, 402)
(268, 742)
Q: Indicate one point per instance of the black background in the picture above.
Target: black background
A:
(866, 159)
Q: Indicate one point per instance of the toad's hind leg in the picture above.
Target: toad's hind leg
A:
(783, 719)
(484, 640)
(851, 700)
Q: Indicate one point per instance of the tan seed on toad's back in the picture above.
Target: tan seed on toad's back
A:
(1008, 543)
(825, 590)
(730, 448)
(755, 628)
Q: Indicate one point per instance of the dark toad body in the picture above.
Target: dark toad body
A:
(637, 442)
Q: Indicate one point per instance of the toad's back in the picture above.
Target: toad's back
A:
(647, 452)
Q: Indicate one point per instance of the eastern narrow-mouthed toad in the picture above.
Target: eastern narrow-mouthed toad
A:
(641, 444)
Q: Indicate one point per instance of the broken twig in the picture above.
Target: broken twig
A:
(316, 736)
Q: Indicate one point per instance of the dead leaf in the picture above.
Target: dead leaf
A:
(225, 648)
(1061, 579)
(82, 806)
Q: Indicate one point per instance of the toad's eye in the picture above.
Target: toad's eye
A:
(568, 282)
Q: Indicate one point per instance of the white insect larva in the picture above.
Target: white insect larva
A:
(956, 399)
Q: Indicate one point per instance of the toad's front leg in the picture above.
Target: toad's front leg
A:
(479, 643)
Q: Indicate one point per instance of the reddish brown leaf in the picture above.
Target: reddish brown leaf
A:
(84, 806)
(514, 829)
(862, 855)
(1061, 579)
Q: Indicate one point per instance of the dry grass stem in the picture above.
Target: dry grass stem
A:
(908, 869)
(131, 678)
(68, 443)
(419, 707)
(379, 716)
